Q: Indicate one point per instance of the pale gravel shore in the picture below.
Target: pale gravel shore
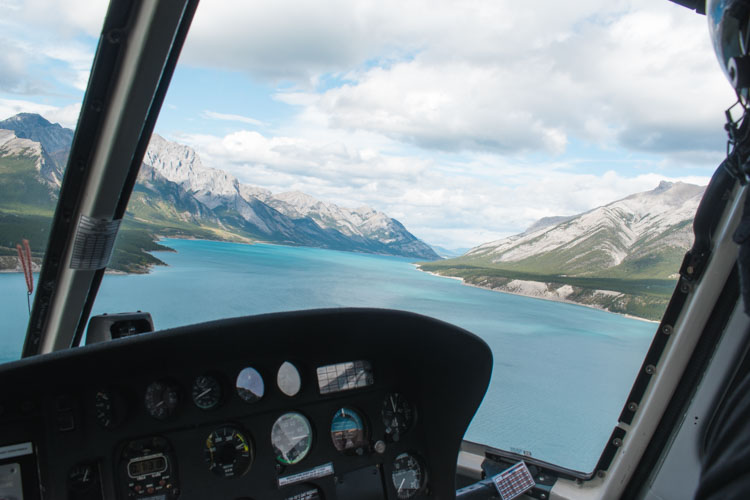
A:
(532, 296)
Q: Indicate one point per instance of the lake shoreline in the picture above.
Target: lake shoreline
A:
(532, 296)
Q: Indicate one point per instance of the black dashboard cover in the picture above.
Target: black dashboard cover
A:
(442, 370)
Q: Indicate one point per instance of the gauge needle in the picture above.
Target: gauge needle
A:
(203, 393)
(401, 485)
(393, 404)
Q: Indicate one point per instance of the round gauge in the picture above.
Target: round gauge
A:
(288, 379)
(291, 437)
(397, 414)
(161, 399)
(347, 430)
(82, 478)
(206, 392)
(104, 408)
(228, 452)
(407, 475)
(250, 385)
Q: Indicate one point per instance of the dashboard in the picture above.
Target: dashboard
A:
(324, 404)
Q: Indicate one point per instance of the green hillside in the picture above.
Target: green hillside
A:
(21, 189)
(644, 298)
(27, 205)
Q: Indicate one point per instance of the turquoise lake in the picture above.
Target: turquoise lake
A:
(561, 373)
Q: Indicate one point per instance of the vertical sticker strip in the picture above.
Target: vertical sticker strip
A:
(95, 239)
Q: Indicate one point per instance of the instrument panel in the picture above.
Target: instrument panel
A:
(331, 404)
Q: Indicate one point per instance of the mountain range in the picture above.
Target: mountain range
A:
(175, 195)
(642, 236)
(623, 256)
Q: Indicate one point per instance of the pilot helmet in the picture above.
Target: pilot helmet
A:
(728, 25)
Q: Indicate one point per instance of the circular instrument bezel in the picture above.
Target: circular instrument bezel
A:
(280, 435)
(413, 463)
(250, 385)
(347, 440)
(162, 399)
(223, 442)
(398, 415)
(207, 392)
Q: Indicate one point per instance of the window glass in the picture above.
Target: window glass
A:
(527, 172)
(46, 53)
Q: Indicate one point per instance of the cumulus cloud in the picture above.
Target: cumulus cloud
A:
(45, 45)
(633, 81)
(77, 60)
(61, 18)
(495, 76)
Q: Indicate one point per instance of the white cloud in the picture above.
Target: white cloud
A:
(645, 80)
(45, 45)
(77, 58)
(212, 115)
(67, 116)
(496, 76)
(63, 18)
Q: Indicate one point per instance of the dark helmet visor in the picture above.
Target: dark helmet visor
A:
(727, 24)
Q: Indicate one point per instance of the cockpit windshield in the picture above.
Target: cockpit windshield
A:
(46, 53)
(526, 171)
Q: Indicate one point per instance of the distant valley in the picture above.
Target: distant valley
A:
(177, 196)
(622, 257)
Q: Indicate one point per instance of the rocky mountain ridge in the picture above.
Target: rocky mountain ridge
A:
(177, 193)
(285, 215)
(625, 232)
(622, 257)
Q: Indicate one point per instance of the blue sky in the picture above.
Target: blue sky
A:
(466, 121)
